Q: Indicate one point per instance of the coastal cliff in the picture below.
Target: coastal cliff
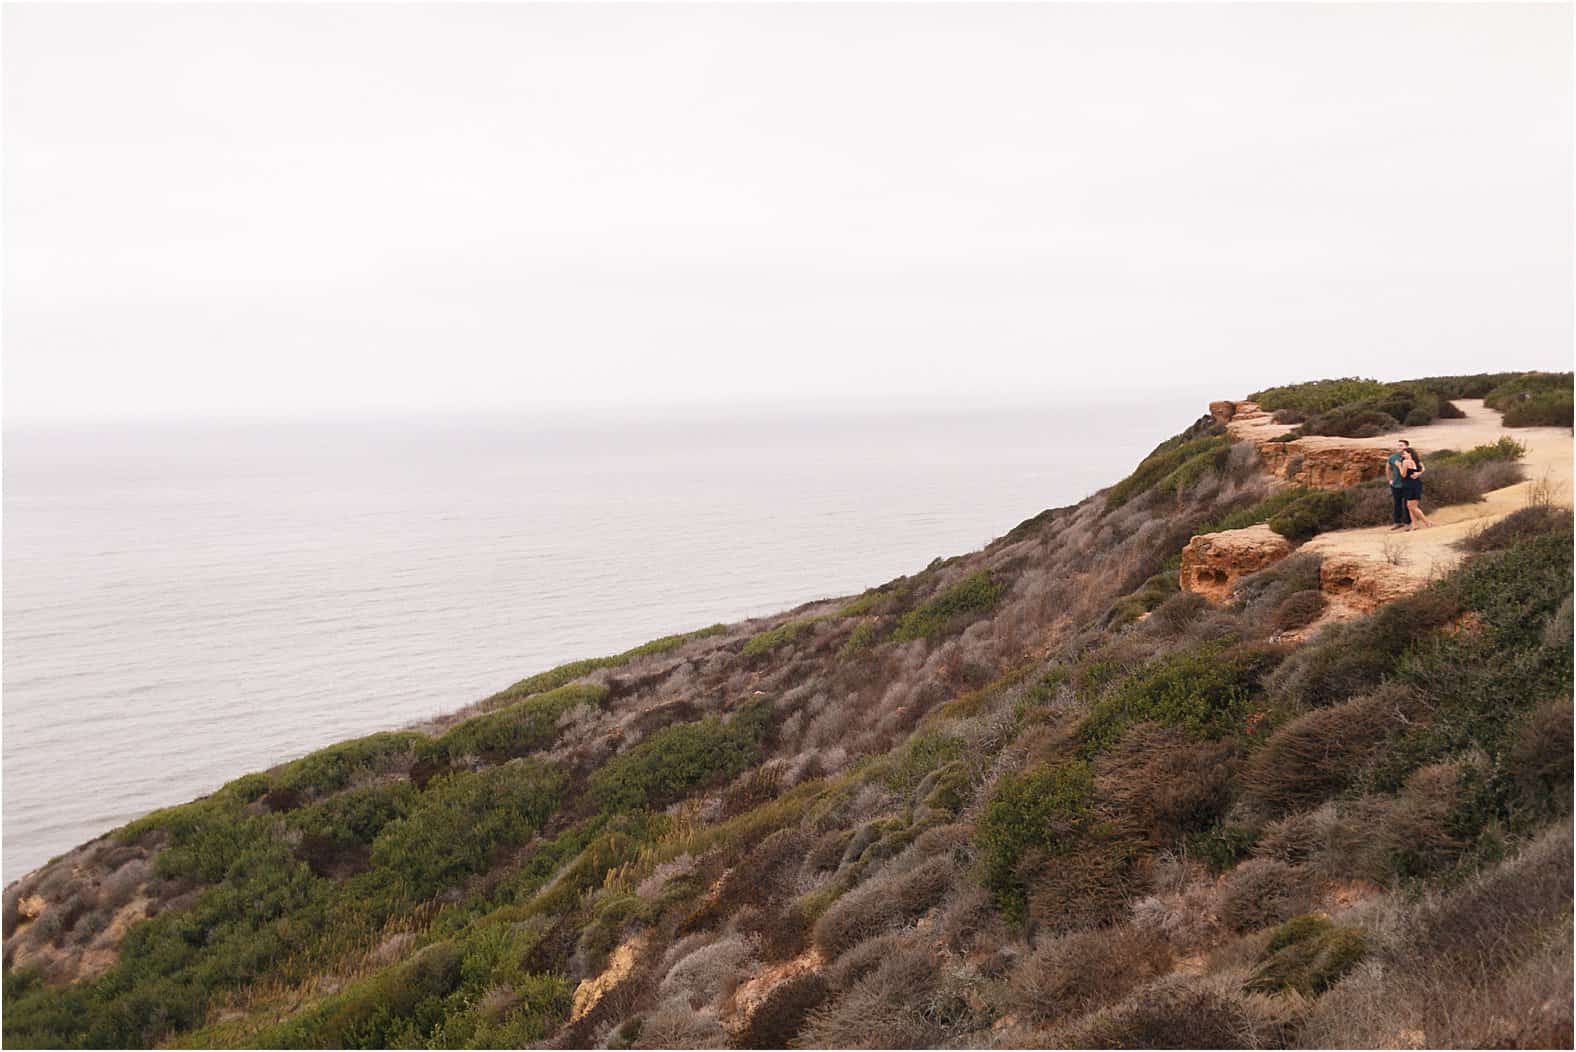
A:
(1211, 758)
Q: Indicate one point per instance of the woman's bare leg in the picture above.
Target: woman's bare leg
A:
(1417, 516)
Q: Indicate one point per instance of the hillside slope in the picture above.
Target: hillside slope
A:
(1033, 795)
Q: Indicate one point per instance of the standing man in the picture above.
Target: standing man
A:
(1399, 516)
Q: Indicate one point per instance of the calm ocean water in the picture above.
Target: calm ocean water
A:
(186, 603)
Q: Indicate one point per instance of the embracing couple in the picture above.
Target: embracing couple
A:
(1405, 468)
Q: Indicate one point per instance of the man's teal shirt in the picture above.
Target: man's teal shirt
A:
(1393, 465)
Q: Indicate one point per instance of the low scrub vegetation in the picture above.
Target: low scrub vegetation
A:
(1030, 796)
(1533, 400)
(970, 598)
(1357, 408)
(1174, 464)
(1207, 691)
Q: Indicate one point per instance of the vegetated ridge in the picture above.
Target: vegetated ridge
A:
(1074, 789)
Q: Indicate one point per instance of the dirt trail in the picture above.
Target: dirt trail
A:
(1422, 554)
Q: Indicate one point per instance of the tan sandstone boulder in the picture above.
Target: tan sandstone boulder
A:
(1363, 584)
(1212, 563)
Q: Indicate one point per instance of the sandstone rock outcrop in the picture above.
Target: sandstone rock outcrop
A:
(1318, 461)
(620, 963)
(1362, 585)
(1224, 411)
(1322, 467)
(752, 993)
(1212, 563)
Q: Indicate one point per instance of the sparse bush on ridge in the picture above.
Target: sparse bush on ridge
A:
(1263, 511)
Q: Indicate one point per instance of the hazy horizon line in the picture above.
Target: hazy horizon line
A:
(793, 406)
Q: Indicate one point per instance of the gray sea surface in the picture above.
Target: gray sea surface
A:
(187, 602)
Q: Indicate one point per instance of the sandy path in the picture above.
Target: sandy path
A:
(1425, 553)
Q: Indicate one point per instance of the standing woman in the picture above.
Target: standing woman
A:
(1412, 476)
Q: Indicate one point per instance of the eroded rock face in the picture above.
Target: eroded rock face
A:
(1318, 461)
(1213, 563)
(620, 963)
(753, 992)
(1362, 585)
(1322, 467)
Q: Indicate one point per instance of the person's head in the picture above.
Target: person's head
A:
(1402, 445)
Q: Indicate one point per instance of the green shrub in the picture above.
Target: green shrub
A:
(870, 601)
(1518, 526)
(972, 596)
(458, 822)
(1149, 595)
(1533, 400)
(329, 769)
(769, 640)
(1351, 423)
(905, 767)
(674, 761)
(865, 635)
(1506, 448)
(266, 911)
(1211, 459)
(1308, 954)
(1319, 396)
(1482, 680)
(517, 729)
(1311, 514)
(1553, 409)
(1348, 659)
(1476, 385)
(1263, 511)
(1205, 690)
(451, 994)
(1046, 808)
(356, 815)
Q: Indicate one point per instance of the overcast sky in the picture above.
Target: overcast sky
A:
(235, 209)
